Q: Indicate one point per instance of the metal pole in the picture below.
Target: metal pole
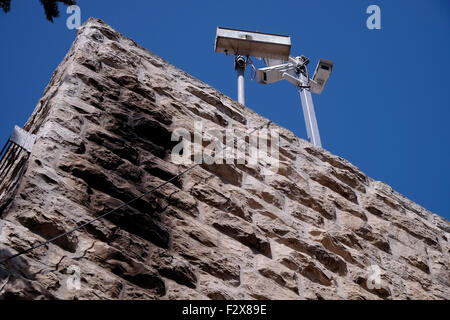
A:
(310, 117)
(241, 85)
(240, 64)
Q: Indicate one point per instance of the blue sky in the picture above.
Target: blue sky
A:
(386, 107)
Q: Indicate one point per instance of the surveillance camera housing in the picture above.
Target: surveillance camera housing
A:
(250, 43)
(267, 75)
(274, 73)
(321, 75)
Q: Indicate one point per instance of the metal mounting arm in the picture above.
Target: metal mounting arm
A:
(312, 129)
(295, 72)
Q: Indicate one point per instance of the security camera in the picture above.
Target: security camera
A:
(296, 72)
(251, 43)
(321, 75)
(239, 62)
(267, 75)
(275, 73)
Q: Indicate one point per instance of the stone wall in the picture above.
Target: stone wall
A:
(104, 124)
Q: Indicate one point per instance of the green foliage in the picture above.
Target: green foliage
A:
(50, 7)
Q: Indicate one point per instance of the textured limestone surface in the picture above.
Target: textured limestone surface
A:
(103, 126)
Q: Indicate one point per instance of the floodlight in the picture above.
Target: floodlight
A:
(251, 43)
(275, 49)
(244, 44)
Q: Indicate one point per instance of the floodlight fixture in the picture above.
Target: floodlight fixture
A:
(296, 72)
(252, 43)
(244, 44)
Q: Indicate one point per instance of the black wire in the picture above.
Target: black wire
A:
(109, 212)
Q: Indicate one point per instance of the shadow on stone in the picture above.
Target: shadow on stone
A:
(17, 282)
